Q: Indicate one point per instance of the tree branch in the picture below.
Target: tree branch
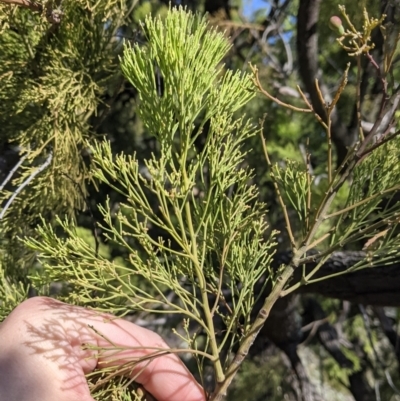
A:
(26, 183)
(377, 286)
(53, 16)
(307, 50)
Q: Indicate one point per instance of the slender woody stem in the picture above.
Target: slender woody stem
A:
(203, 289)
(26, 183)
(221, 388)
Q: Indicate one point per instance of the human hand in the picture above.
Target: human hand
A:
(42, 358)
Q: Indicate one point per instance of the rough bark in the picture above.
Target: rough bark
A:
(329, 338)
(307, 50)
(377, 286)
(283, 328)
(389, 331)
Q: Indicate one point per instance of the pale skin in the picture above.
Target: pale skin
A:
(44, 357)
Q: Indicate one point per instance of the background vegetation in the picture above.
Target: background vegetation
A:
(157, 227)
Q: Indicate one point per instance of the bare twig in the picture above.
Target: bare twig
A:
(32, 5)
(53, 16)
(12, 172)
(26, 183)
(257, 82)
(379, 72)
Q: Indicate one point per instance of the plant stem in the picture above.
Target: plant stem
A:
(278, 193)
(221, 388)
(203, 288)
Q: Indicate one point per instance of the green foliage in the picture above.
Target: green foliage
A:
(204, 203)
(259, 382)
(54, 86)
(87, 235)
(338, 374)
(51, 83)
(182, 219)
(369, 214)
(12, 293)
(295, 183)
